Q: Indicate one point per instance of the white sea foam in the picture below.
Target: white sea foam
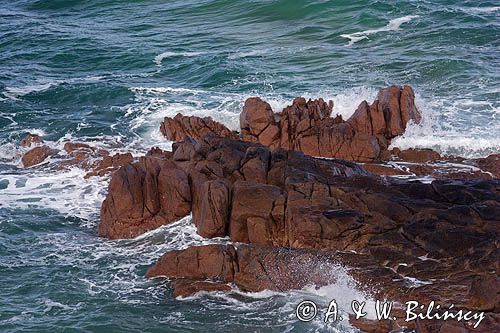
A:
(40, 86)
(391, 26)
(480, 10)
(64, 191)
(247, 54)
(168, 54)
(441, 135)
(14, 92)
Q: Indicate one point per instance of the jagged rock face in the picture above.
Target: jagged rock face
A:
(307, 126)
(181, 127)
(286, 198)
(143, 196)
(300, 214)
(163, 187)
(388, 115)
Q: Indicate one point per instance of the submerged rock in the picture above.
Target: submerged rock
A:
(30, 140)
(98, 162)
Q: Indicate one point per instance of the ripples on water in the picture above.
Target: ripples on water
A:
(107, 73)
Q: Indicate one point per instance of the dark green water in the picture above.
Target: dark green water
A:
(107, 72)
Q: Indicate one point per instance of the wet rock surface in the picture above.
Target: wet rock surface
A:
(97, 162)
(30, 140)
(37, 155)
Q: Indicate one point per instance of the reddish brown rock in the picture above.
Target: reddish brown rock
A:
(30, 140)
(98, 162)
(257, 213)
(418, 155)
(187, 287)
(37, 155)
(256, 119)
(307, 126)
(181, 127)
(143, 196)
(252, 268)
(489, 164)
(71, 147)
(211, 215)
(216, 262)
(107, 164)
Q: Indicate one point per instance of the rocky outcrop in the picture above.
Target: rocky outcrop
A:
(307, 126)
(302, 214)
(204, 176)
(252, 268)
(294, 218)
(181, 127)
(256, 268)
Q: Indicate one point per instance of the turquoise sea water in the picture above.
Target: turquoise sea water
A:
(107, 72)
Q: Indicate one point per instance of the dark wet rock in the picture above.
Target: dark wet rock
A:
(384, 170)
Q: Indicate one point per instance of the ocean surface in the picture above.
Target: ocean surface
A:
(107, 72)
